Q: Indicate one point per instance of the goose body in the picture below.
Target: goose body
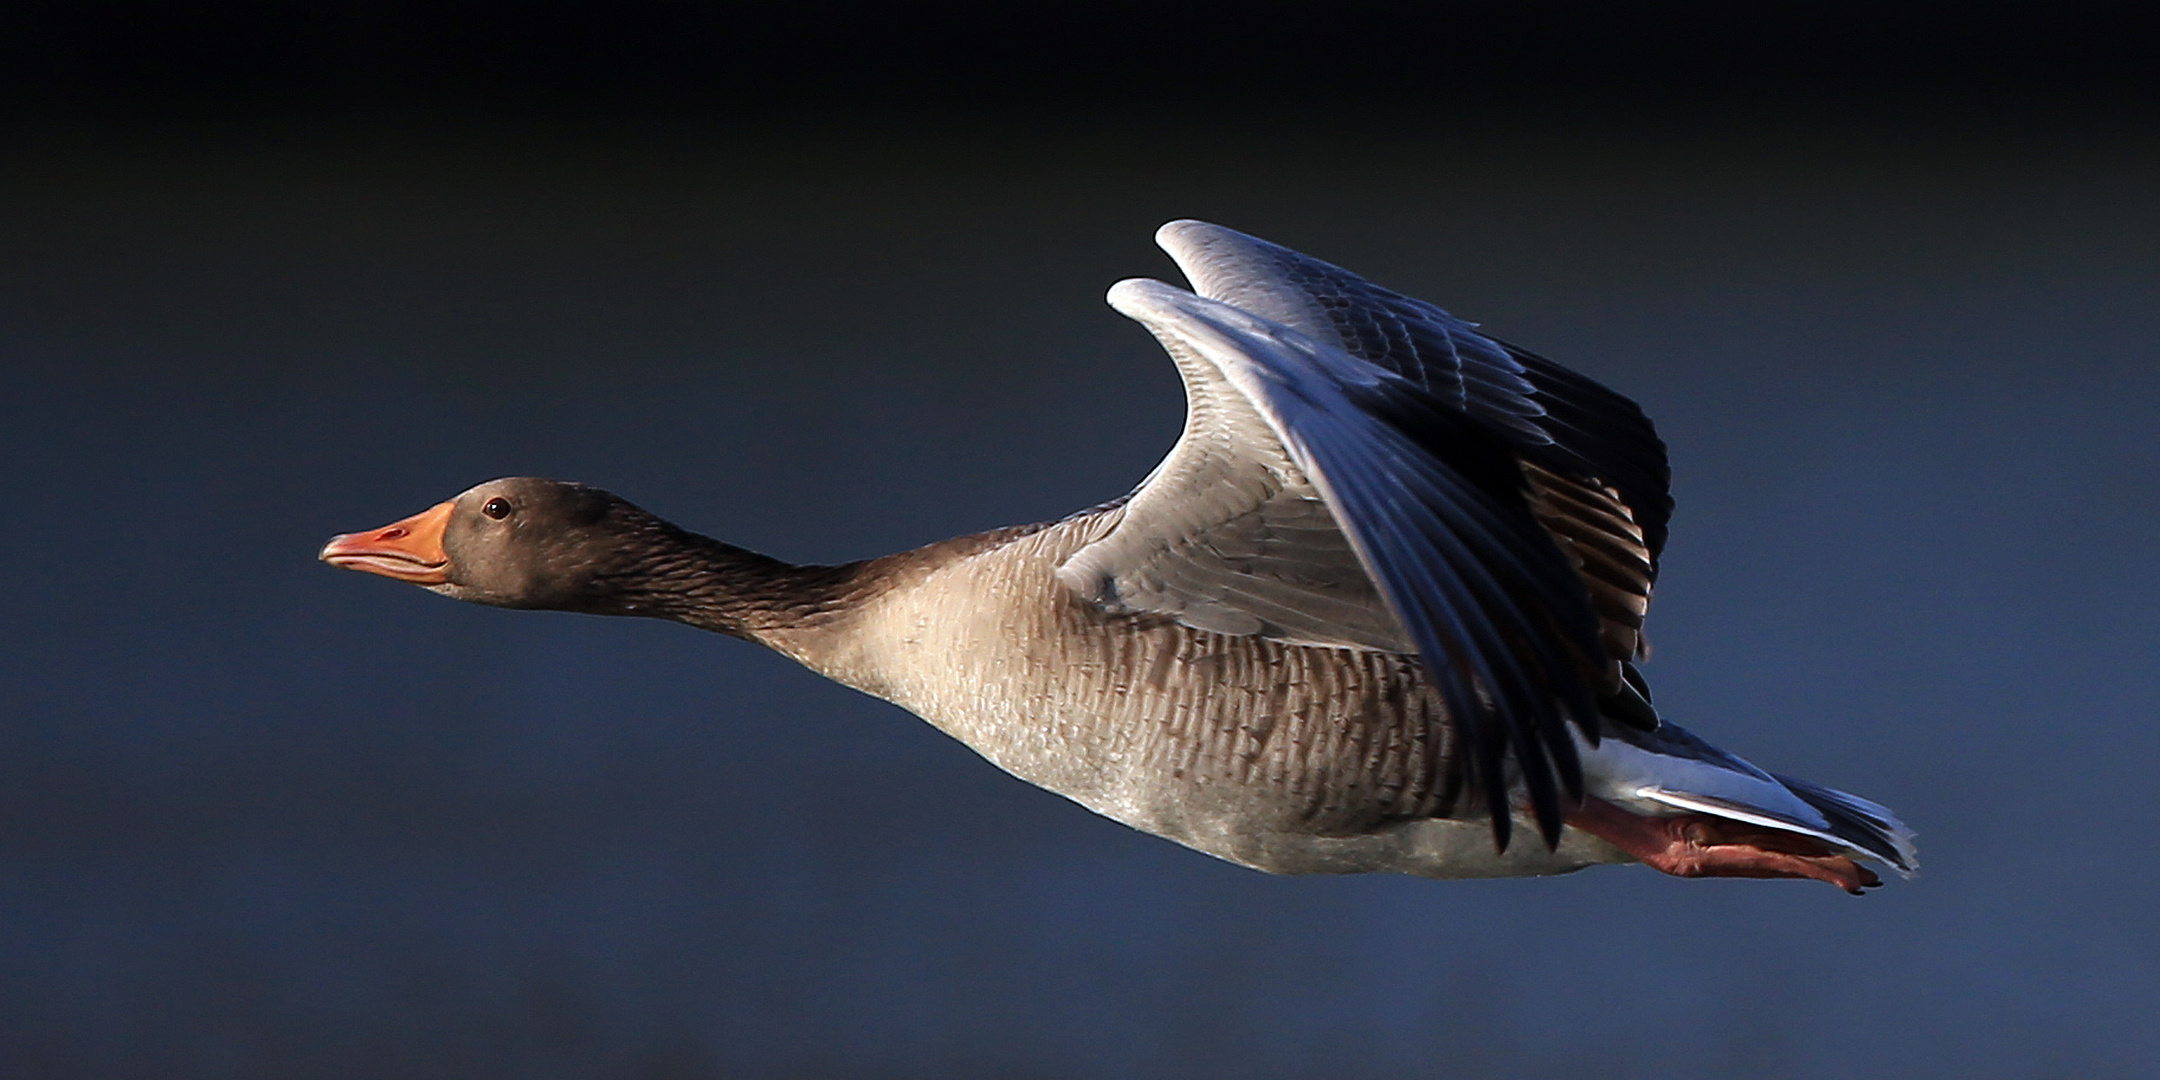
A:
(1283, 757)
(1379, 609)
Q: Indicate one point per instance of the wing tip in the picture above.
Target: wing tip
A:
(1175, 234)
(1139, 296)
(1210, 255)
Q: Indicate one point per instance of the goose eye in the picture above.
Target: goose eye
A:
(497, 508)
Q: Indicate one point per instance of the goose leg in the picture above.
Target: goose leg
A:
(1698, 845)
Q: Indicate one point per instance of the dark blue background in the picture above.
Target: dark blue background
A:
(259, 818)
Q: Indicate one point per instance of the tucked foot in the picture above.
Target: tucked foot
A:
(1698, 845)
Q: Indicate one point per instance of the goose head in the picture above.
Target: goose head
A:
(517, 542)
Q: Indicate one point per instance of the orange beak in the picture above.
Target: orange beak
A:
(410, 550)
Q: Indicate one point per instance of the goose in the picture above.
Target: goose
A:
(1379, 609)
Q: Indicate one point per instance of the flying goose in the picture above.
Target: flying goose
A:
(1380, 608)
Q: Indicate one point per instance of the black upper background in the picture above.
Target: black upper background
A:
(1339, 62)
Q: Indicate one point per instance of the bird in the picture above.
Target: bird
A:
(1380, 609)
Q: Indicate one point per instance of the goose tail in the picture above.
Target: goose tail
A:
(1867, 826)
(1669, 775)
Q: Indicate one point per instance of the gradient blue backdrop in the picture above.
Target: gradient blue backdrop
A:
(260, 818)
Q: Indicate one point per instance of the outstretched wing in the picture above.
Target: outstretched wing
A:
(1434, 546)
(1594, 465)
